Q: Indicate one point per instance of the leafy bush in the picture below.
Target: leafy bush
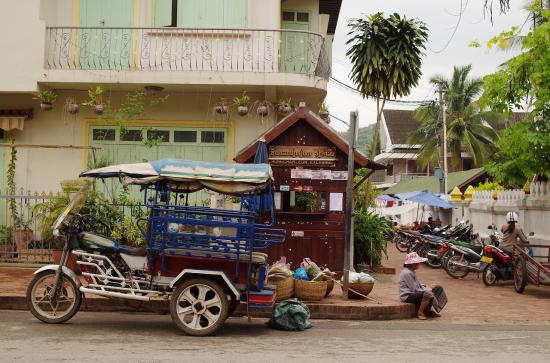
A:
(370, 235)
(487, 185)
(127, 232)
(307, 201)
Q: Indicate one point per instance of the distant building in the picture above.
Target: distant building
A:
(400, 156)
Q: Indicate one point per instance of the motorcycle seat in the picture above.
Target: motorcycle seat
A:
(96, 242)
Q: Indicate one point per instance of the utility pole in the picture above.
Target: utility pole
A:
(443, 145)
(349, 200)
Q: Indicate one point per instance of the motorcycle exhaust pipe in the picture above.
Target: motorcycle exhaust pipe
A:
(472, 267)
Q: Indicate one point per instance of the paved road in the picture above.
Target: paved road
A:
(105, 337)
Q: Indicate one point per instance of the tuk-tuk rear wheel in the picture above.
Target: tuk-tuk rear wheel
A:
(199, 307)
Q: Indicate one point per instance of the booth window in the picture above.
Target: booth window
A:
(303, 201)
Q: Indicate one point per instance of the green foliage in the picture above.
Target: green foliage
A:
(518, 158)
(95, 97)
(487, 185)
(386, 54)
(243, 101)
(474, 44)
(46, 96)
(6, 234)
(307, 200)
(466, 127)
(10, 181)
(370, 235)
(127, 232)
(524, 149)
(504, 39)
(323, 106)
(366, 193)
(101, 162)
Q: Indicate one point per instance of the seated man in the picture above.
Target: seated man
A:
(412, 291)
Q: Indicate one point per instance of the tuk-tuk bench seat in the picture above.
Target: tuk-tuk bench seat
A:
(257, 257)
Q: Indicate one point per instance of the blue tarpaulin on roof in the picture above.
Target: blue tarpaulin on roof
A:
(425, 197)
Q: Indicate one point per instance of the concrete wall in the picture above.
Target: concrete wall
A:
(42, 169)
(22, 44)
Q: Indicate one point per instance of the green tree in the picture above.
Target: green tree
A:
(467, 129)
(386, 54)
(524, 79)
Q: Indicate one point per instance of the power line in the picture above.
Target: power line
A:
(461, 12)
(350, 88)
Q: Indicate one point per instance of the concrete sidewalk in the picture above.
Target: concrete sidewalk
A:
(469, 300)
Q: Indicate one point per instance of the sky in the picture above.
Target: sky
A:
(441, 19)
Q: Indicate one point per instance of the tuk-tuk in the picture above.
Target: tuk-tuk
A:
(204, 261)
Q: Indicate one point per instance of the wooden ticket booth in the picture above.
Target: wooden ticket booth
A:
(309, 162)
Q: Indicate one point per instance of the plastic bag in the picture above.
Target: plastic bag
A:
(291, 315)
(311, 267)
(280, 270)
(359, 277)
(301, 274)
(325, 275)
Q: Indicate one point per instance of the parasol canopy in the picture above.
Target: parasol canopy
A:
(227, 178)
(425, 197)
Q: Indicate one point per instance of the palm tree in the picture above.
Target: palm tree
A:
(467, 127)
(386, 54)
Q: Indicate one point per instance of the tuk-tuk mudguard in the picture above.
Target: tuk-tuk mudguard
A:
(206, 273)
(67, 271)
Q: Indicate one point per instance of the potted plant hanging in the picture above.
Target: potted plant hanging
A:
(221, 107)
(242, 103)
(285, 106)
(323, 112)
(95, 100)
(71, 106)
(263, 109)
(46, 99)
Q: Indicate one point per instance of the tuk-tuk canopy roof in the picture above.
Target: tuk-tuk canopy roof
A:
(227, 178)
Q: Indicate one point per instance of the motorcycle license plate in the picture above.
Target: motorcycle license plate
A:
(486, 259)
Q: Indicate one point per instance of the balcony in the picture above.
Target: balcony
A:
(167, 51)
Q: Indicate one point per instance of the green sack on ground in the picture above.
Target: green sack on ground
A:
(292, 315)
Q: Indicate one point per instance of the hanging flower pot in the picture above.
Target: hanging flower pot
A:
(285, 106)
(46, 106)
(72, 108)
(221, 108)
(98, 109)
(263, 110)
(324, 115)
(242, 104)
(46, 99)
(242, 110)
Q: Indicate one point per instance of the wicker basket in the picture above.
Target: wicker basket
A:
(363, 288)
(285, 288)
(310, 290)
(330, 286)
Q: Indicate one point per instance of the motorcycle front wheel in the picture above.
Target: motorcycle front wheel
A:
(457, 272)
(59, 308)
(489, 276)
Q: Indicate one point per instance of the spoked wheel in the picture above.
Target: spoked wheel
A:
(520, 274)
(199, 307)
(59, 308)
(402, 244)
(456, 272)
(489, 276)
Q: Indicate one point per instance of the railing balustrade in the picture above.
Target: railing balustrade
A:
(183, 49)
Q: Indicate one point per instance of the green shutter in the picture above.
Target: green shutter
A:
(212, 13)
(162, 13)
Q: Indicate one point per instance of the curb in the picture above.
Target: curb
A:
(318, 311)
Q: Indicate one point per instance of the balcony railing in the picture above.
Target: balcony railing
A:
(182, 49)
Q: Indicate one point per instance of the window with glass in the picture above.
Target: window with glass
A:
(131, 135)
(160, 135)
(185, 136)
(100, 134)
(213, 137)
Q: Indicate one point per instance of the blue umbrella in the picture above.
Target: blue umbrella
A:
(387, 198)
(427, 198)
(263, 202)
